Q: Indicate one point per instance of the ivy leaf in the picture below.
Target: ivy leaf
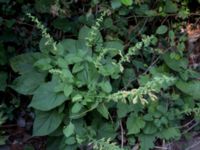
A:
(146, 142)
(162, 29)
(27, 83)
(170, 133)
(134, 124)
(46, 122)
(69, 130)
(102, 109)
(45, 98)
(127, 2)
(191, 88)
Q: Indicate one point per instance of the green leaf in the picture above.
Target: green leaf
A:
(114, 47)
(128, 75)
(63, 24)
(44, 6)
(146, 142)
(69, 130)
(77, 97)
(73, 58)
(110, 68)
(3, 140)
(43, 64)
(77, 67)
(123, 109)
(106, 86)
(46, 122)
(162, 29)
(134, 124)
(108, 23)
(170, 7)
(191, 88)
(24, 63)
(175, 64)
(62, 63)
(127, 2)
(103, 110)
(3, 83)
(68, 90)
(106, 131)
(150, 128)
(170, 133)
(45, 98)
(27, 83)
(150, 13)
(69, 45)
(89, 75)
(76, 107)
(84, 34)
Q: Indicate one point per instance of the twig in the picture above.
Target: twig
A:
(192, 146)
(190, 128)
(159, 147)
(185, 124)
(122, 134)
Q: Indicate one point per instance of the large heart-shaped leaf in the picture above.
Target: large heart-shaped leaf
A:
(24, 63)
(45, 98)
(27, 83)
(46, 122)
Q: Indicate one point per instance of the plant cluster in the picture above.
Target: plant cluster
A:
(121, 81)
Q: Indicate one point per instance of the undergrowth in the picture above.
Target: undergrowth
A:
(120, 83)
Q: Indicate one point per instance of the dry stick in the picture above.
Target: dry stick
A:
(190, 128)
(122, 134)
(192, 146)
(182, 126)
(159, 147)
